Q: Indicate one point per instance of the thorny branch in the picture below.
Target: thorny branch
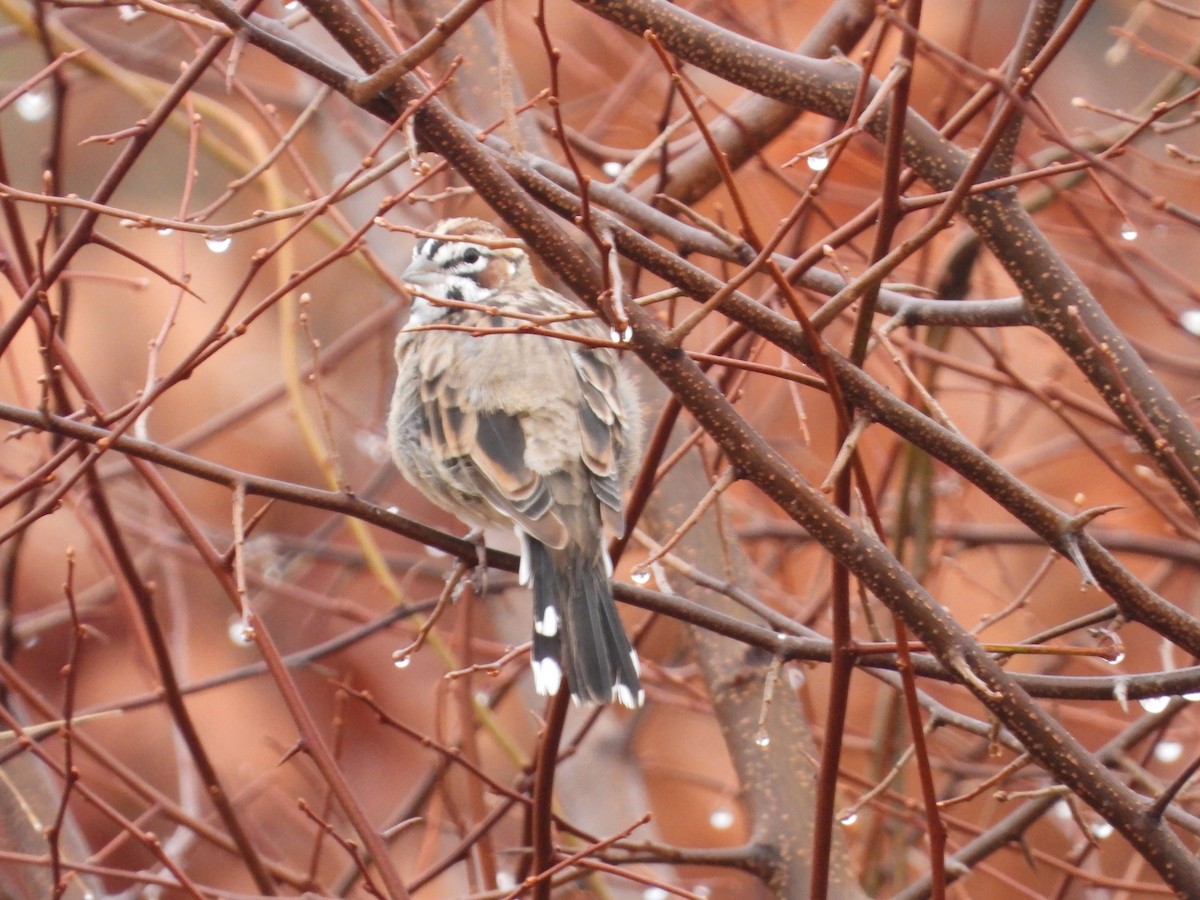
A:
(959, 458)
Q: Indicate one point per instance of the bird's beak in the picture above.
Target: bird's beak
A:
(421, 271)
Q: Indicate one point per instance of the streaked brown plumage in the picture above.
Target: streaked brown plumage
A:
(528, 431)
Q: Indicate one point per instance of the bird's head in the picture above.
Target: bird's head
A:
(466, 260)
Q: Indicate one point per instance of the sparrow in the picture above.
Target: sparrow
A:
(528, 431)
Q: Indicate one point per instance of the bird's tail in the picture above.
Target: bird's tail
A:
(576, 629)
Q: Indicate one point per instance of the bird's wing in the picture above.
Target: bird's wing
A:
(601, 428)
(482, 451)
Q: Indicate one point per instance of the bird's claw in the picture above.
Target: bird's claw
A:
(479, 577)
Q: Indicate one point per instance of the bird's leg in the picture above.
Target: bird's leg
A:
(479, 578)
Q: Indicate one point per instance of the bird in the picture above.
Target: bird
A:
(500, 426)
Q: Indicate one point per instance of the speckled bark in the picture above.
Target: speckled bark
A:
(1054, 294)
(778, 781)
(1045, 738)
(1051, 290)
(754, 121)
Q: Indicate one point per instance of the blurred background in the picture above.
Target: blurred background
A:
(224, 303)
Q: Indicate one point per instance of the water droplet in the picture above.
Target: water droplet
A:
(640, 575)
(762, 739)
(166, 231)
(612, 168)
(795, 677)
(654, 893)
(373, 445)
(218, 243)
(1128, 232)
(702, 890)
(401, 662)
(1192, 697)
(33, 106)
(129, 13)
(241, 632)
(848, 819)
(506, 881)
(1101, 830)
(292, 5)
(1155, 704)
(818, 161)
(1168, 751)
(394, 510)
(721, 819)
(1061, 810)
(1190, 320)
(1111, 645)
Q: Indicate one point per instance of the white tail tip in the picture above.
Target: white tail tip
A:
(547, 677)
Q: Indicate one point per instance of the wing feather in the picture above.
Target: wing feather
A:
(483, 451)
(601, 427)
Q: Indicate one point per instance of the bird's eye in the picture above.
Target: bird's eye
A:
(470, 255)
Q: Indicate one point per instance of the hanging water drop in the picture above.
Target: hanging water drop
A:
(33, 106)
(1116, 659)
(612, 168)
(401, 661)
(762, 739)
(849, 818)
(241, 632)
(506, 881)
(1168, 751)
(1128, 231)
(640, 575)
(373, 446)
(818, 160)
(129, 13)
(721, 819)
(1155, 704)
(1101, 830)
(164, 231)
(218, 243)
(1190, 320)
